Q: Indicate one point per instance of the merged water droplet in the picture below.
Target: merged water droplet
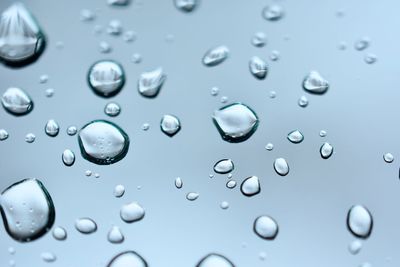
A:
(215, 56)
(192, 196)
(106, 78)
(59, 233)
(359, 221)
(355, 247)
(388, 157)
(281, 166)
(151, 82)
(224, 166)
(170, 125)
(86, 225)
(214, 260)
(30, 138)
(186, 5)
(127, 258)
(115, 235)
(27, 209)
(326, 150)
(178, 182)
(15, 101)
(258, 68)
(52, 128)
(273, 12)
(266, 227)
(314, 83)
(103, 142)
(250, 186)
(112, 109)
(235, 122)
(48, 257)
(259, 39)
(68, 157)
(21, 39)
(3, 134)
(132, 212)
(295, 137)
(119, 190)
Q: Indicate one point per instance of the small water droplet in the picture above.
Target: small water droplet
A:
(136, 58)
(295, 137)
(370, 58)
(231, 184)
(192, 196)
(258, 68)
(355, 247)
(30, 138)
(129, 36)
(145, 126)
(259, 39)
(48, 257)
(87, 15)
(365, 264)
(359, 221)
(186, 5)
(262, 256)
(224, 99)
(151, 82)
(118, 3)
(88, 173)
(11, 263)
(362, 43)
(281, 166)
(178, 182)
(132, 212)
(96, 175)
(114, 27)
(269, 147)
(72, 130)
(127, 258)
(59, 233)
(214, 260)
(119, 190)
(52, 128)
(224, 205)
(273, 12)
(215, 56)
(326, 150)
(115, 235)
(214, 91)
(224, 166)
(170, 125)
(11, 250)
(105, 47)
(314, 83)
(388, 157)
(266, 227)
(86, 225)
(16, 102)
(43, 78)
(342, 46)
(303, 101)
(250, 186)
(68, 157)
(49, 92)
(106, 78)
(112, 109)
(275, 55)
(3, 134)
(322, 133)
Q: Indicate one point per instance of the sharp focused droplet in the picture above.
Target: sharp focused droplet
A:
(295, 137)
(192, 196)
(235, 122)
(215, 56)
(178, 182)
(314, 83)
(258, 68)
(52, 128)
(59, 233)
(68, 157)
(388, 157)
(281, 166)
(224, 166)
(27, 209)
(112, 109)
(250, 186)
(186, 5)
(21, 39)
(214, 260)
(86, 225)
(132, 212)
(273, 12)
(103, 142)
(16, 101)
(127, 259)
(326, 150)
(231, 184)
(359, 221)
(115, 235)
(266, 227)
(151, 82)
(106, 78)
(170, 125)
(72, 130)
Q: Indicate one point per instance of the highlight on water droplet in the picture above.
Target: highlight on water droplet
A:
(30, 138)
(127, 258)
(258, 68)
(295, 137)
(3, 134)
(224, 166)
(281, 166)
(314, 83)
(119, 190)
(326, 150)
(68, 157)
(86, 225)
(266, 227)
(355, 247)
(250, 186)
(186, 5)
(215, 56)
(273, 12)
(214, 260)
(16, 101)
(151, 82)
(106, 78)
(192, 196)
(59, 233)
(112, 109)
(388, 157)
(359, 221)
(170, 125)
(132, 212)
(231, 184)
(115, 235)
(52, 128)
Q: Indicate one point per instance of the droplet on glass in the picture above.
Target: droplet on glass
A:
(272, 94)
(43, 78)
(136, 58)
(214, 260)
(259, 39)
(106, 78)
(370, 58)
(231, 184)
(215, 56)
(273, 12)
(250, 186)
(322, 133)
(87, 15)
(214, 91)
(281, 166)
(224, 99)
(186, 5)
(355, 247)
(105, 47)
(118, 2)
(112, 109)
(314, 83)
(72, 130)
(59, 233)
(266, 227)
(3, 134)
(178, 182)
(224, 205)
(119, 190)
(114, 27)
(52, 128)
(48, 257)
(326, 150)
(132, 212)
(192, 196)
(258, 68)
(68, 157)
(224, 166)
(16, 102)
(275, 55)
(115, 235)
(295, 137)
(359, 221)
(388, 157)
(145, 126)
(86, 225)
(303, 101)
(129, 36)
(49, 92)
(151, 82)
(30, 138)
(269, 147)
(127, 258)
(362, 43)
(88, 173)
(170, 125)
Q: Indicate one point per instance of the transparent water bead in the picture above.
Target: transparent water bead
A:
(30, 138)
(275, 55)
(112, 109)
(48, 257)
(87, 15)
(170, 125)
(21, 39)
(269, 147)
(326, 150)
(224, 205)
(86, 225)
(49, 92)
(3, 134)
(214, 260)
(355, 247)
(127, 259)
(72, 130)
(114, 27)
(186, 5)
(273, 12)
(52, 128)
(231, 184)
(370, 58)
(322, 133)
(106, 78)
(105, 47)
(259, 39)
(295, 137)
(362, 43)
(214, 91)
(266, 227)
(136, 58)
(258, 68)
(115, 235)
(388, 157)
(250, 186)
(303, 101)
(68, 157)
(132, 212)
(103, 142)
(224, 166)
(145, 126)
(314, 83)
(119, 190)
(16, 101)
(235, 122)
(28, 210)
(59, 233)
(281, 166)
(151, 82)
(192, 196)
(359, 221)
(43, 78)
(178, 182)
(118, 2)
(215, 56)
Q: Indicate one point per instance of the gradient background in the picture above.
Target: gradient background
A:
(359, 112)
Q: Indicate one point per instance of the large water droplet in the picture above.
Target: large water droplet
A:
(235, 122)
(16, 101)
(186, 5)
(21, 39)
(359, 221)
(52, 128)
(86, 225)
(281, 166)
(115, 235)
(273, 12)
(214, 260)
(151, 82)
(314, 83)
(106, 78)
(132, 212)
(112, 109)
(266, 227)
(295, 137)
(128, 259)
(215, 56)
(103, 142)
(250, 186)
(59, 233)
(68, 157)
(170, 125)
(258, 68)
(224, 166)
(27, 209)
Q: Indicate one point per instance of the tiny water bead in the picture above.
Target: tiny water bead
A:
(295, 137)
(43, 78)
(178, 182)
(28, 210)
(136, 58)
(52, 128)
(115, 235)
(326, 150)
(250, 186)
(103, 142)
(322, 133)
(266, 227)
(86, 15)
(16, 101)
(30, 138)
(86, 225)
(48, 257)
(3, 134)
(105, 47)
(214, 260)
(314, 83)
(269, 147)
(231, 184)
(224, 205)
(72, 130)
(21, 39)
(186, 5)
(68, 157)
(362, 43)
(224, 99)
(388, 157)
(49, 92)
(59, 233)
(224, 166)
(262, 256)
(235, 122)
(145, 126)
(259, 39)
(214, 91)
(151, 82)
(281, 166)
(118, 3)
(273, 12)
(106, 78)
(11, 250)
(192, 196)
(112, 109)
(215, 56)
(127, 258)
(275, 55)
(119, 190)
(132, 212)
(272, 94)
(129, 36)
(303, 101)
(370, 58)
(355, 247)
(170, 125)
(359, 221)
(258, 68)
(114, 27)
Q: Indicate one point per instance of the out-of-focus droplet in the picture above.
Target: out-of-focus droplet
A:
(27, 209)
(145, 126)
(43, 78)
(266, 227)
(231, 184)
(96, 175)
(186, 5)
(224, 205)
(275, 55)
(86, 225)
(170, 125)
(342, 46)
(273, 12)
(127, 258)
(132, 212)
(322, 133)
(370, 58)
(281, 166)
(269, 147)
(259, 39)
(103, 142)
(118, 2)
(262, 256)
(72, 130)
(114, 27)
(326, 150)
(30, 138)
(11, 250)
(359, 221)
(105, 47)
(129, 36)
(68, 157)
(88, 173)
(214, 260)
(59, 233)
(355, 247)
(11, 263)
(52, 128)
(87, 15)
(272, 94)
(151, 82)
(106, 78)
(115, 235)
(224, 99)
(178, 182)
(295, 137)
(224, 166)
(112, 109)
(136, 58)
(258, 68)
(49, 92)
(215, 56)
(250, 186)
(48, 257)
(388, 157)
(192, 196)
(365, 264)
(3, 134)
(303, 101)
(15, 101)
(314, 83)
(119, 190)
(235, 122)
(362, 43)
(214, 91)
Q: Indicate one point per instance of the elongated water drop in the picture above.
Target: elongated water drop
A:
(151, 82)
(186, 5)
(178, 182)
(115, 235)
(52, 128)
(59, 233)
(250, 186)
(359, 221)
(48, 257)
(214, 260)
(224, 166)
(132, 212)
(281, 166)
(258, 68)
(266, 227)
(273, 12)
(127, 259)
(68, 157)
(326, 150)
(192, 196)
(118, 2)
(86, 225)
(314, 83)
(15, 101)
(119, 190)
(215, 56)
(170, 125)
(295, 137)
(106, 78)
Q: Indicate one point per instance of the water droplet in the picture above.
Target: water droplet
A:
(224, 166)
(59, 233)
(281, 166)
(272, 94)
(52, 128)
(118, 2)
(43, 78)
(21, 39)
(114, 27)
(231, 184)
(259, 39)
(136, 58)
(119, 190)
(127, 258)
(86, 225)
(370, 58)
(266, 227)
(262, 256)
(3, 134)
(31, 203)
(11, 250)
(105, 47)
(314, 83)
(365, 264)
(106, 78)
(68, 157)
(11, 263)
(49, 92)
(132, 212)
(250, 186)
(129, 36)
(170, 125)
(103, 142)
(115, 235)
(214, 91)
(269, 147)
(215, 56)
(112, 109)
(224, 99)
(72, 130)
(48, 257)
(303, 101)
(342, 46)
(30, 138)
(214, 260)
(224, 205)
(295, 137)
(151, 82)
(355, 247)
(178, 182)
(186, 5)
(388, 157)
(88, 173)
(235, 122)
(322, 133)
(362, 43)
(96, 175)
(359, 221)
(16, 101)
(87, 15)
(145, 126)
(192, 196)
(258, 68)
(275, 55)
(273, 12)
(326, 150)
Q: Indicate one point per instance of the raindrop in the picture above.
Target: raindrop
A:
(132, 212)
(272, 94)
(322, 133)
(114, 27)
(119, 190)
(112, 109)
(59, 233)
(86, 225)
(275, 55)
(224, 99)
(106, 78)
(16, 101)
(11, 250)
(103, 142)
(88, 173)
(72, 130)
(3, 134)
(388, 157)
(214, 91)
(235, 122)
(48, 257)
(303, 101)
(355, 247)
(224, 166)
(115, 235)
(52, 128)
(370, 58)
(68, 157)
(258, 68)
(136, 58)
(87, 15)
(30, 202)
(224, 205)
(30, 138)
(273, 12)
(295, 137)
(129, 36)
(44, 78)
(269, 147)
(314, 83)
(266, 227)
(170, 125)
(215, 56)
(214, 260)
(127, 258)
(118, 2)
(281, 166)
(151, 82)
(49, 92)
(145, 126)
(326, 150)
(359, 221)
(105, 47)
(250, 186)
(192, 196)
(186, 5)
(259, 39)
(231, 184)
(362, 43)
(178, 182)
